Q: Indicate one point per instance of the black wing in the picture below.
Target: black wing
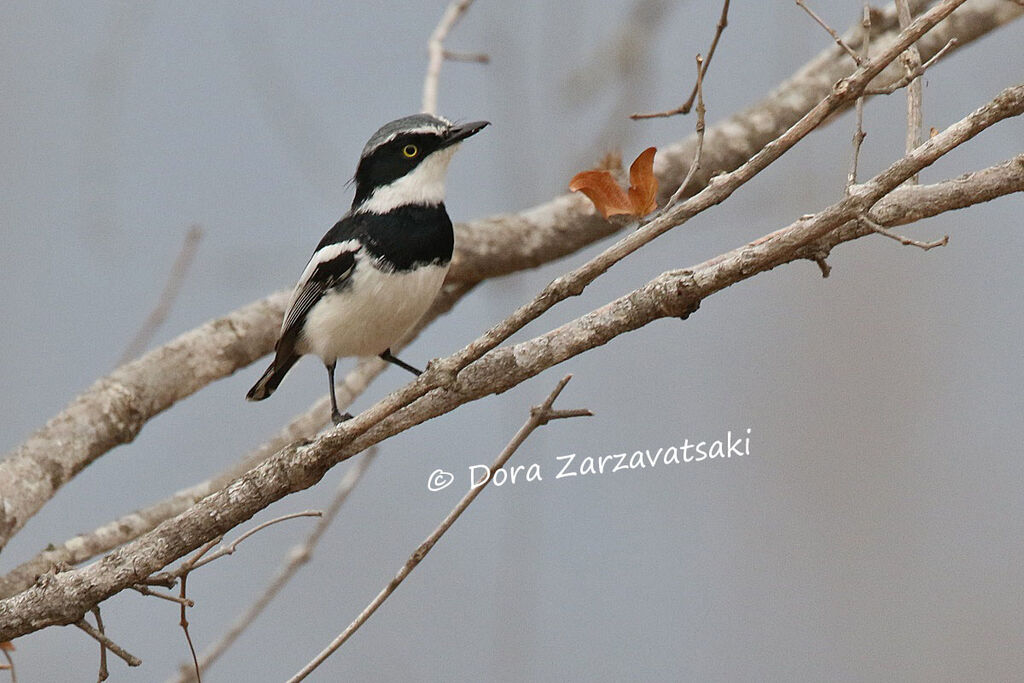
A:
(330, 267)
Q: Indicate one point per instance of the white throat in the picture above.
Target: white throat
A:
(424, 185)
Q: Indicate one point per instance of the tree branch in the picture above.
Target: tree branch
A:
(298, 556)
(113, 410)
(64, 597)
(436, 52)
(107, 537)
(912, 65)
(539, 416)
(108, 644)
(684, 108)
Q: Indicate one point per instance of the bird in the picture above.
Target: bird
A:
(376, 272)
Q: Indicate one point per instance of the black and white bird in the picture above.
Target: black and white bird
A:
(375, 273)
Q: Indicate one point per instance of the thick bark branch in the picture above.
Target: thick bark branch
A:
(64, 598)
(114, 409)
(123, 529)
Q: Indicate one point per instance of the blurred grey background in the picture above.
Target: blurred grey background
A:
(875, 530)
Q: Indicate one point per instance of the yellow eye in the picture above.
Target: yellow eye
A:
(410, 151)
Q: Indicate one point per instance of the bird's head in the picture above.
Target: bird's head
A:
(406, 162)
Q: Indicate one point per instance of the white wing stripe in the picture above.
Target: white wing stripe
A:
(327, 253)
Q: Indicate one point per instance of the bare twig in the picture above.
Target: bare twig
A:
(297, 556)
(167, 298)
(128, 658)
(103, 673)
(858, 133)
(916, 73)
(230, 547)
(904, 240)
(831, 31)
(183, 572)
(183, 622)
(695, 164)
(200, 558)
(911, 64)
(145, 590)
(436, 52)
(539, 415)
(684, 108)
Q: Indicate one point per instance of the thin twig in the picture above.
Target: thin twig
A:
(858, 133)
(831, 31)
(183, 622)
(911, 64)
(103, 673)
(907, 77)
(684, 108)
(297, 556)
(695, 164)
(539, 415)
(436, 52)
(904, 240)
(145, 590)
(200, 558)
(167, 298)
(230, 547)
(183, 572)
(129, 659)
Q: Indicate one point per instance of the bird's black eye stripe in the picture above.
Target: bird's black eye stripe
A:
(414, 146)
(391, 161)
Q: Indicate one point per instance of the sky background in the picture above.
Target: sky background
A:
(874, 530)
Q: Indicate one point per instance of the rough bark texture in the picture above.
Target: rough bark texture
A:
(113, 410)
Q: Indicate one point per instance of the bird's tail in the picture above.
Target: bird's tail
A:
(279, 367)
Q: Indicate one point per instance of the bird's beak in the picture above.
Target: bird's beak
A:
(459, 133)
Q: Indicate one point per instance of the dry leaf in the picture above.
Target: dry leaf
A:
(643, 186)
(7, 645)
(601, 188)
(610, 199)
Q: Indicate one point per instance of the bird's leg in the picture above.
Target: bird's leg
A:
(402, 364)
(336, 416)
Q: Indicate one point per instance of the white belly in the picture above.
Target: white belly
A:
(371, 314)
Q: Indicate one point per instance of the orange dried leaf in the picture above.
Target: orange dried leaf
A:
(643, 186)
(610, 199)
(7, 645)
(601, 188)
